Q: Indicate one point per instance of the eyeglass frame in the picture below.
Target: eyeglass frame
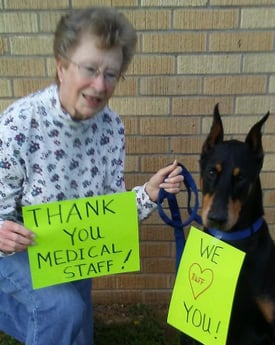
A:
(91, 72)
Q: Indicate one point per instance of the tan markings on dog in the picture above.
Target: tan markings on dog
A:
(267, 307)
(219, 167)
(234, 208)
(236, 171)
(206, 205)
(201, 182)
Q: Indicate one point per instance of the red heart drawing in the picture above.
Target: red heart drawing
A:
(200, 279)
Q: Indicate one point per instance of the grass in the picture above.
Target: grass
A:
(131, 325)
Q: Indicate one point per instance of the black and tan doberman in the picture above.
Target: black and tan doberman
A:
(232, 208)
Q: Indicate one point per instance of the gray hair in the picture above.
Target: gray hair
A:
(110, 26)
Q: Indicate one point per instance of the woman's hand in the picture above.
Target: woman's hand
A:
(14, 237)
(168, 178)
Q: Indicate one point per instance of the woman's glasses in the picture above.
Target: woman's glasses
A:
(92, 72)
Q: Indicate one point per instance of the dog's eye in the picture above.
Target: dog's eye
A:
(212, 172)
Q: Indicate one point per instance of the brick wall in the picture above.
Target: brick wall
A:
(191, 54)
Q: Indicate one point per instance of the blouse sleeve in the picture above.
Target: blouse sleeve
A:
(144, 204)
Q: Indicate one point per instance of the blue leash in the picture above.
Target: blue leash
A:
(175, 220)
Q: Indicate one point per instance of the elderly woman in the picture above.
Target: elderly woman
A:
(64, 142)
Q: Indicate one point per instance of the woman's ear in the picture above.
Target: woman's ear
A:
(60, 66)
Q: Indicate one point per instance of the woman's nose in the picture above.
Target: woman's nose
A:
(99, 82)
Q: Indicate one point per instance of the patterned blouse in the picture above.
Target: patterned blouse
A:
(47, 156)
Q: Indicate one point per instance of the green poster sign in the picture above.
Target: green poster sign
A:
(206, 279)
(83, 238)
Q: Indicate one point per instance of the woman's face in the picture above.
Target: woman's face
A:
(88, 77)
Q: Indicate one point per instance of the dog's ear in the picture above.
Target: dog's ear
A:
(254, 139)
(215, 135)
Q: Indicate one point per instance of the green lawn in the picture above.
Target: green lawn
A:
(131, 325)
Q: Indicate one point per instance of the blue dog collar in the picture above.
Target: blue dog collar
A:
(237, 235)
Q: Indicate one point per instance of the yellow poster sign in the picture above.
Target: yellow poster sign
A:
(204, 289)
(83, 238)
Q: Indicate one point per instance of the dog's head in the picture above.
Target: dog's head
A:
(230, 176)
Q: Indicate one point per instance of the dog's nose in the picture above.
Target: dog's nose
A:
(217, 220)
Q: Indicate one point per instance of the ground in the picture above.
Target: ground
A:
(123, 313)
(133, 325)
